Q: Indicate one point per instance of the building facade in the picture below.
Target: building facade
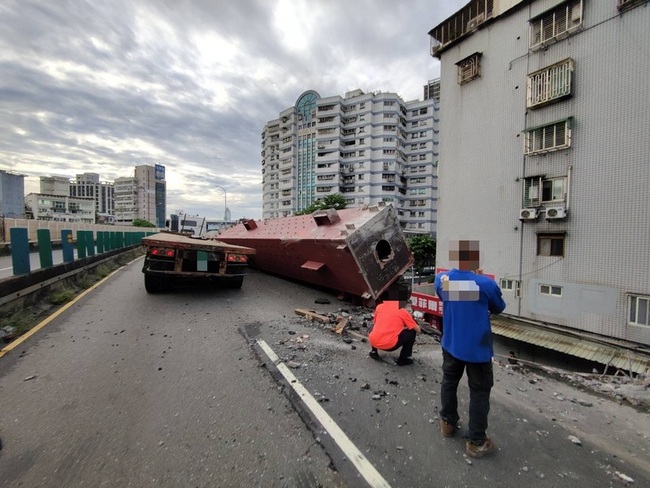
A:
(89, 185)
(545, 154)
(368, 147)
(61, 208)
(12, 191)
(142, 196)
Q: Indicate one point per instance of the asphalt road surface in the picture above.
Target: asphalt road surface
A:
(230, 388)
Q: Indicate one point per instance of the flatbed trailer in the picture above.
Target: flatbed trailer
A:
(171, 257)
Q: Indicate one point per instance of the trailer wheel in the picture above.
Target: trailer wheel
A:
(152, 283)
(235, 283)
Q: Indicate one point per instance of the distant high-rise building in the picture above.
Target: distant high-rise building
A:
(142, 196)
(369, 148)
(89, 185)
(432, 90)
(12, 191)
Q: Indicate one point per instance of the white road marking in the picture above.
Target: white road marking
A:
(365, 468)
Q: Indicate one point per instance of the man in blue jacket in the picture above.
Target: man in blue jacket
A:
(468, 298)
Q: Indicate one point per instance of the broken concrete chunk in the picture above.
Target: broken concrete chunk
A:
(575, 440)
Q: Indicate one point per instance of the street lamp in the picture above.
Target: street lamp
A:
(225, 203)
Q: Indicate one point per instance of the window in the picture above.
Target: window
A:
(549, 84)
(550, 244)
(555, 24)
(551, 290)
(552, 190)
(639, 310)
(469, 68)
(551, 137)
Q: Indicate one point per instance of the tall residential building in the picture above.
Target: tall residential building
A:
(142, 196)
(545, 157)
(369, 147)
(89, 185)
(12, 191)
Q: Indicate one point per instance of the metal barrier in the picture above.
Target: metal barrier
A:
(86, 243)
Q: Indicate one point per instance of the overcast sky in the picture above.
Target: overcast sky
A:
(104, 85)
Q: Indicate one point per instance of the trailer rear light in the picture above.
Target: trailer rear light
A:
(162, 252)
(237, 258)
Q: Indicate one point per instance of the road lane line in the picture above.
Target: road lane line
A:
(49, 319)
(365, 468)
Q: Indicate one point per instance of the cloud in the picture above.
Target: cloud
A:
(190, 84)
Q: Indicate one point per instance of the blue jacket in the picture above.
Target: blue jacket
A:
(466, 332)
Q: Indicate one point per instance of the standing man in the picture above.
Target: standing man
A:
(393, 326)
(468, 297)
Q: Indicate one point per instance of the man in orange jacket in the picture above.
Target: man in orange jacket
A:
(393, 326)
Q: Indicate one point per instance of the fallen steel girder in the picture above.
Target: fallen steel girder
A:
(359, 251)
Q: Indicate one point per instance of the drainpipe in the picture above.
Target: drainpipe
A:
(568, 186)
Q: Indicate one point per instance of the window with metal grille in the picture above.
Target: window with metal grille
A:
(549, 137)
(639, 310)
(549, 84)
(469, 68)
(538, 189)
(555, 24)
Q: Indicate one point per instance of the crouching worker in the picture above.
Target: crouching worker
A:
(393, 326)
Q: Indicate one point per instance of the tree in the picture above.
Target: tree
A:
(335, 201)
(423, 248)
(141, 223)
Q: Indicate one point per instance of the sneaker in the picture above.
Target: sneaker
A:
(373, 354)
(403, 361)
(476, 451)
(448, 430)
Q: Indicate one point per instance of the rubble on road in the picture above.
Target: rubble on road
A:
(353, 322)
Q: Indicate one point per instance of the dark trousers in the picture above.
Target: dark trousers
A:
(480, 379)
(405, 340)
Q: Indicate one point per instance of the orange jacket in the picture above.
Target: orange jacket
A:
(389, 321)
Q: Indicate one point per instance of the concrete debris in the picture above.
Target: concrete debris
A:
(293, 364)
(575, 440)
(624, 477)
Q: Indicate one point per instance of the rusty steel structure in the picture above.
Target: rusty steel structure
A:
(356, 251)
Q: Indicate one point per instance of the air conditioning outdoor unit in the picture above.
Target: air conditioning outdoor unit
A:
(528, 214)
(473, 23)
(555, 213)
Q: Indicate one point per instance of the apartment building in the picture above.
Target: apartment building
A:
(545, 157)
(61, 208)
(103, 192)
(369, 147)
(142, 196)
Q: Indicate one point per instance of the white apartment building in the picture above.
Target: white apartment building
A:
(369, 147)
(61, 208)
(545, 157)
(141, 196)
(89, 185)
(126, 200)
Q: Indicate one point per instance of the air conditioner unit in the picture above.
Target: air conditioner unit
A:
(528, 214)
(474, 23)
(555, 213)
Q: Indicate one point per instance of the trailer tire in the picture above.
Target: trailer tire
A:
(153, 283)
(235, 283)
